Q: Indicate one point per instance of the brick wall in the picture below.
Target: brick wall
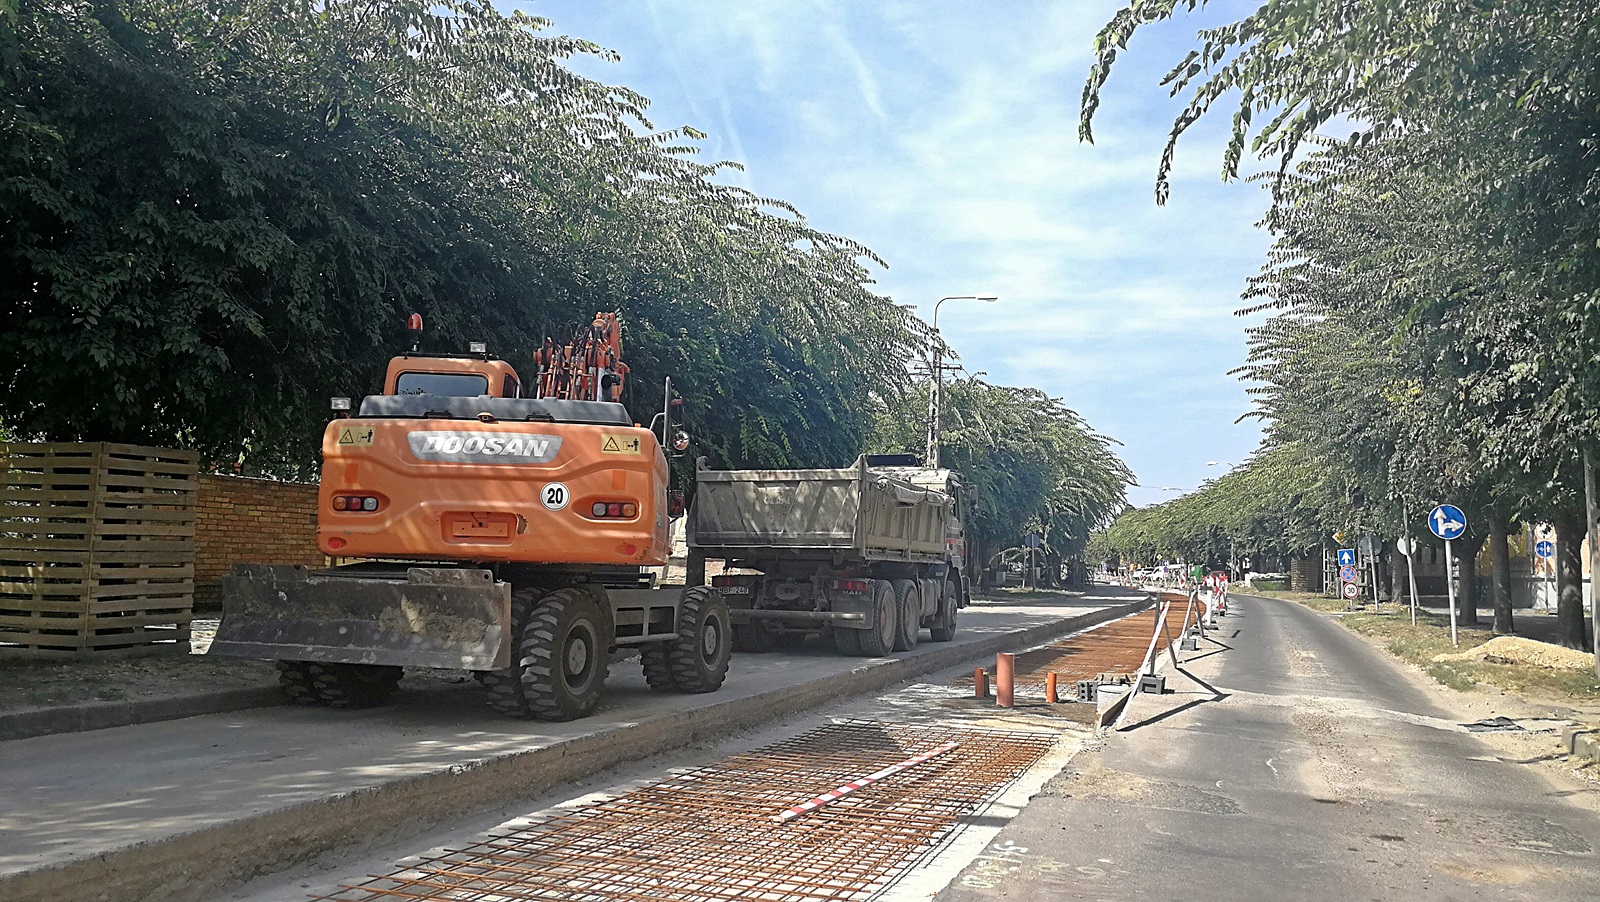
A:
(253, 521)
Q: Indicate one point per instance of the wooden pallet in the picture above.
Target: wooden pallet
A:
(96, 549)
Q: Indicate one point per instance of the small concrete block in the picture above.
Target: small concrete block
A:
(1088, 690)
(1153, 683)
(1583, 742)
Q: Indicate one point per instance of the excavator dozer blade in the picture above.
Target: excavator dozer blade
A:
(418, 616)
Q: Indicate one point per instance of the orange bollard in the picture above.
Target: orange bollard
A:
(1050, 688)
(980, 683)
(1004, 664)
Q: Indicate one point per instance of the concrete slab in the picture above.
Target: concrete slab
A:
(182, 809)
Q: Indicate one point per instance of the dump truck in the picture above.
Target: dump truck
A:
(487, 524)
(868, 555)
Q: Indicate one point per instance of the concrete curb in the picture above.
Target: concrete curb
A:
(1582, 742)
(101, 715)
(204, 863)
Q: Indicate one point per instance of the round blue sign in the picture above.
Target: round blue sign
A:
(1447, 522)
(1545, 548)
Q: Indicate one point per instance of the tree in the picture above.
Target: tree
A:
(214, 211)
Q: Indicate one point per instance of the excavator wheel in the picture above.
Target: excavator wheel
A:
(699, 656)
(944, 624)
(338, 685)
(879, 639)
(908, 605)
(657, 660)
(560, 658)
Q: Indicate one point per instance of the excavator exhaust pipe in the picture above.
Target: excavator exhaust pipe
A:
(405, 616)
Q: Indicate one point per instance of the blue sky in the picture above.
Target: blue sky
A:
(943, 135)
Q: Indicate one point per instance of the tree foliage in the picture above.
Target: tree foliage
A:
(1033, 463)
(1434, 327)
(217, 210)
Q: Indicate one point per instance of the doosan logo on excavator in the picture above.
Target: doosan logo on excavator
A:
(484, 447)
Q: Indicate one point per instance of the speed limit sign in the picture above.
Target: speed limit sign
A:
(1351, 590)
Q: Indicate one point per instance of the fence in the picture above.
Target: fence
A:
(97, 549)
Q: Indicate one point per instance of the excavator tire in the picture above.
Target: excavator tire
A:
(879, 640)
(559, 660)
(944, 623)
(657, 663)
(338, 685)
(700, 655)
(908, 605)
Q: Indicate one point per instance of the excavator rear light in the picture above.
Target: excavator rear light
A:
(614, 510)
(356, 503)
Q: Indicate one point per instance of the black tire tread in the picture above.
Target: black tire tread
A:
(873, 643)
(688, 670)
(908, 619)
(944, 622)
(339, 685)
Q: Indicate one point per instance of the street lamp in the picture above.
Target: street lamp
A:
(938, 373)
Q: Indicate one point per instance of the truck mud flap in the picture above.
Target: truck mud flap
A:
(418, 616)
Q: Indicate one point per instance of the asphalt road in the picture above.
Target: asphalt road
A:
(1297, 763)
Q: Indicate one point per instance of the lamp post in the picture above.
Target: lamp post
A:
(936, 397)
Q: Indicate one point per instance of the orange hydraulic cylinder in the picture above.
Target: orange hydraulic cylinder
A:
(1004, 667)
(980, 683)
(1050, 688)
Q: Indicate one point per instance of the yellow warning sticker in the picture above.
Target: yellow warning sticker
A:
(620, 444)
(350, 435)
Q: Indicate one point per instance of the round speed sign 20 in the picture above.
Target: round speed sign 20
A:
(1350, 590)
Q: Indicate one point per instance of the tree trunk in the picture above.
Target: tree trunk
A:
(1397, 574)
(1500, 555)
(1570, 627)
(1466, 550)
(1591, 497)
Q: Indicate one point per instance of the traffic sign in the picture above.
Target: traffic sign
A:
(1403, 545)
(1447, 522)
(1348, 574)
(1350, 590)
(1347, 557)
(1545, 548)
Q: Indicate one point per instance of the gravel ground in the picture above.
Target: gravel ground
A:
(26, 685)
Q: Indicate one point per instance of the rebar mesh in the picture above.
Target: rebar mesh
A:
(709, 835)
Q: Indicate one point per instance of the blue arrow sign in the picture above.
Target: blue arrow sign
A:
(1545, 548)
(1347, 557)
(1447, 522)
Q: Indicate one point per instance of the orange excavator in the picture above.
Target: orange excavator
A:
(488, 525)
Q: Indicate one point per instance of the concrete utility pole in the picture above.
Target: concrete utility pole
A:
(935, 398)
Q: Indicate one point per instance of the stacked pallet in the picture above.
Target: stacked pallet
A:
(96, 549)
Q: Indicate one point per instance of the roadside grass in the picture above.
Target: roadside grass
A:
(1430, 638)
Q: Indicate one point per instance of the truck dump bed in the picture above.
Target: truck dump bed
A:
(860, 513)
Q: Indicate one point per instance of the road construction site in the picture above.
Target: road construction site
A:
(289, 796)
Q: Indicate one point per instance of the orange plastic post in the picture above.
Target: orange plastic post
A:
(1050, 688)
(980, 683)
(1004, 665)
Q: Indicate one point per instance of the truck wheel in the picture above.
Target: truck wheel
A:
(879, 640)
(908, 604)
(753, 637)
(847, 641)
(704, 645)
(944, 624)
(339, 685)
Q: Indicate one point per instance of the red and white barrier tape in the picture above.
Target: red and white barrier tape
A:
(868, 780)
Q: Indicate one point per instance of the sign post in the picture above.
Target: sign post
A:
(1448, 522)
(1349, 577)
